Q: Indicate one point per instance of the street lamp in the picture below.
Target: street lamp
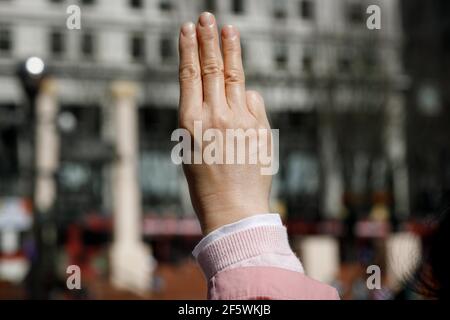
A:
(35, 66)
(31, 73)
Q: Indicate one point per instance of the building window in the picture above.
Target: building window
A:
(281, 57)
(57, 45)
(136, 4)
(344, 65)
(238, 6)
(166, 49)
(87, 2)
(355, 13)
(303, 176)
(9, 162)
(159, 178)
(370, 60)
(87, 45)
(137, 47)
(307, 63)
(307, 9)
(279, 9)
(210, 5)
(165, 5)
(5, 40)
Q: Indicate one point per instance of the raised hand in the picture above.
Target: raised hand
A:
(213, 94)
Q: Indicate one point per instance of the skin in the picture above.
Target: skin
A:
(212, 90)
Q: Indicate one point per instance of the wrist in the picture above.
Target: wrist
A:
(213, 219)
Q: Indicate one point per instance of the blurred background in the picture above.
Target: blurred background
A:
(86, 116)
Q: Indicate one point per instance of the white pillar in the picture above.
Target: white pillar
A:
(404, 252)
(320, 257)
(9, 241)
(131, 259)
(47, 146)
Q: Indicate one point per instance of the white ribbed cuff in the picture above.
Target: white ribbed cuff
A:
(264, 246)
(266, 219)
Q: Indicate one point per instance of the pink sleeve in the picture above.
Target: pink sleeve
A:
(272, 278)
(267, 283)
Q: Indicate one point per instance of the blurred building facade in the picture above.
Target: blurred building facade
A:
(323, 74)
(427, 38)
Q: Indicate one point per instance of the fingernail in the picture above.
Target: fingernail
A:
(206, 19)
(188, 29)
(229, 32)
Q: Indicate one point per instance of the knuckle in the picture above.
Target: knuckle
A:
(188, 72)
(186, 120)
(232, 47)
(253, 123)
(254, 109)
(212, 67)
(255, 96)
(234, 76)
(262, 125)
(188, 44)
(221, 121)
(207, 35)
(249, 123)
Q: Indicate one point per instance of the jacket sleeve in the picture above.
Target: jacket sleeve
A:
(257, 262)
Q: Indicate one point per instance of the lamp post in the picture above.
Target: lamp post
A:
(31, 74)
(42, 141)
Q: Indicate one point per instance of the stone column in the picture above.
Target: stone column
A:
(131, 259)
(403, 254)
(47, 147)
(320, 257)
